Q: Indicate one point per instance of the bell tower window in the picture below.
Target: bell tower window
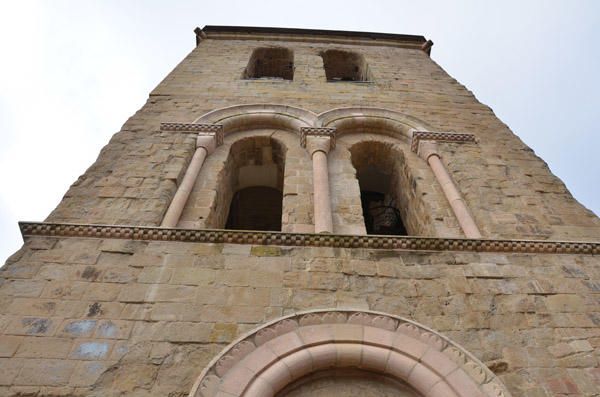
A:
(268, 63)
(345, 66)
(255, 175)
(376, 171)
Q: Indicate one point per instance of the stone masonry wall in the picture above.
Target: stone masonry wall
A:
(118, 317)
(510, 191)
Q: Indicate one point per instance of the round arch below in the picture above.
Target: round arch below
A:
(264, 361)
(254, 116)
(374, 120)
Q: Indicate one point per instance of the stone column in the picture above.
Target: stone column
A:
(428, 151)
(318, 142)
(209, 137)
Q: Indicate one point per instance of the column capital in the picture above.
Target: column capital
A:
(210, 136)
(317, 138)
(418, 136)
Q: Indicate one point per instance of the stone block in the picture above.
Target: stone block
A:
(31, 326)
(90, 350)
(87, 373)
(23, 288)
(114, 329)
(564, 303)
(187, 332)
(159, 275)
(77, 328)
(44, 347)
(171, 293)
(10, 370)
(193, 276)
(9, 345)
(46, 372)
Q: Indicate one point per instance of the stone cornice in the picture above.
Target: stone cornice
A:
(313, 35)
(200, 129)
(319, 132)
(455, 137)
(44, 229)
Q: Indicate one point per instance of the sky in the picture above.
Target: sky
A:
(72, 72)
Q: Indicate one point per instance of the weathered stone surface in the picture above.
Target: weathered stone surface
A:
(107, 317)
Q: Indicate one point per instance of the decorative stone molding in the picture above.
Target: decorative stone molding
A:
(265, 360)
(322, 132)
(259, 115)
(376, 120)
(455, 137)
(200, 129)
(30, 229)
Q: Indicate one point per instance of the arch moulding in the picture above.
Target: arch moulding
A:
(373, 120)
(251, 116)
(264, 361)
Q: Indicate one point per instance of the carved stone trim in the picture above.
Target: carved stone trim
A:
(336, 338)
(29, 229)
(319, 132)
(200, 129)
(455, 137)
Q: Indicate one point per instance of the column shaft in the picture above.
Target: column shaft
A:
(465, 220)
(183, 191)
(323, 220)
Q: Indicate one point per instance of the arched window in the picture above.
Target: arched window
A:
(270, 63)
(380, 192)
(345, 66)
(254, 182)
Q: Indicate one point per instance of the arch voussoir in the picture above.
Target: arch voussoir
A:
(276, 355)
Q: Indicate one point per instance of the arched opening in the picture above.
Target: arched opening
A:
(348, 382)
(254, 184)
(276, 63)
(345, 66)
(320, 349)
(255, 208)
(381, 195)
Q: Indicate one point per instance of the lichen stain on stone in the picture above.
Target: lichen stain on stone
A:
(36, 325)
(80, 327)
(107, 330)
(95, 309)
(89, 273)
(92, 350)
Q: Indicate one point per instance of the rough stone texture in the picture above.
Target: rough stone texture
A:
(533, 319)
(510, 191)
(118, 317)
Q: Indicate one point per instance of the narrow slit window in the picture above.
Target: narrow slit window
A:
(268, 63)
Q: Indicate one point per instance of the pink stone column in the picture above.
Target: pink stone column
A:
(206, 143)
(318, 142)
(428, 151)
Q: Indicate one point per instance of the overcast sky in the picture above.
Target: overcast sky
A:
(72, 72)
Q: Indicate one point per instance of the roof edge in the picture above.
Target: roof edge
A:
(313, 32)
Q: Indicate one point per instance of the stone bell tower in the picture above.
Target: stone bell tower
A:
(304, 212)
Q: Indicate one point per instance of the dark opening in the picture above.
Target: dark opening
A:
(377, 173)
(381, 215)
(255, 208)
(345, 66)
(271, 63)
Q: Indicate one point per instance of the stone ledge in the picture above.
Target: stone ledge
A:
(409, 243)
(453, 137)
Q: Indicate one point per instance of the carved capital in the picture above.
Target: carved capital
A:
(455, 137)
(317, 139)
(210, 136)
